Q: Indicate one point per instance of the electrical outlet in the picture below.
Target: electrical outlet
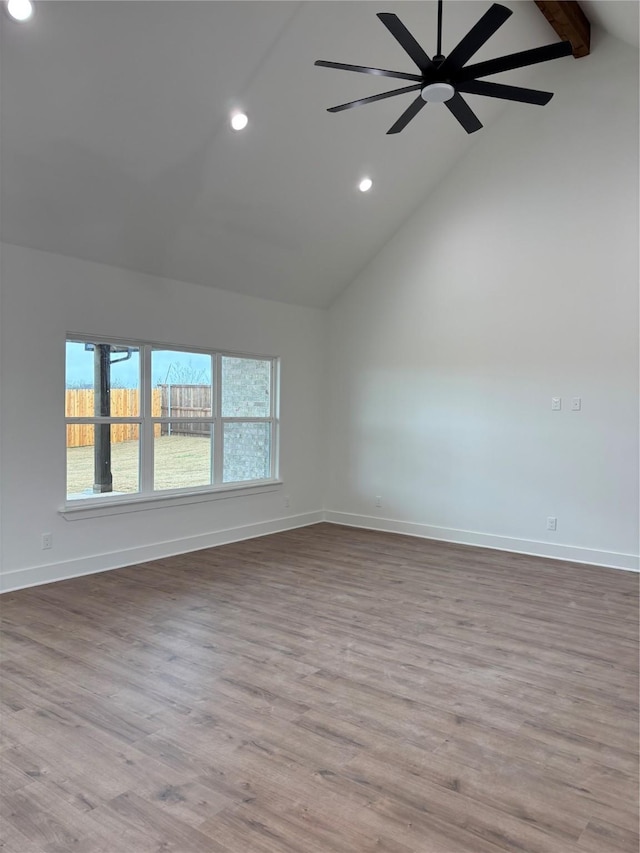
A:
(287, 501)
(576, 404)
(552, 523)
(378, 500)
(47, 541)
(556, 404)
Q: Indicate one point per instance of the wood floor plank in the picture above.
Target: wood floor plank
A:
(168, 830)
(43, 817)
(323, 690)
(272, 825)
(485, 750)
(12, 839)
(600, 835)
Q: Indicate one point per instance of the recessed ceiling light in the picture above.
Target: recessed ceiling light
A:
(365, 185)
(239, 121)
(20, 10)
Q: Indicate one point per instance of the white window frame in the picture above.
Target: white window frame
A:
(146, 496)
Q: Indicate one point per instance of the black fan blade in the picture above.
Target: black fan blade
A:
(363, 69)
(459, 108)
(514, 60)
(402, 35)
(509, 93)
(412, 111)
(488, 24)
(374, 98)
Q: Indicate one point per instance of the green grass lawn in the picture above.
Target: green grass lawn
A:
(180, 460)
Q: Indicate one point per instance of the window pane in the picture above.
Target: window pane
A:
(247, 452)
(246, 387)
(102, 379)
(110, 469)
(181, 455)
(182, 384)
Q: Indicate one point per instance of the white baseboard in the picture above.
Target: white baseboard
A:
(22, 578)
(574, 554)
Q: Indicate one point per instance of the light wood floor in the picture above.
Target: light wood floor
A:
(325, 690)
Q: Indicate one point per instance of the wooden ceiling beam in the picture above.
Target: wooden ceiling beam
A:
(570, 22)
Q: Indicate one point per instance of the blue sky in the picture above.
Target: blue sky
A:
(167, 366)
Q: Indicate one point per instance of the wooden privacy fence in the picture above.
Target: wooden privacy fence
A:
(79, 403)
(181, 402)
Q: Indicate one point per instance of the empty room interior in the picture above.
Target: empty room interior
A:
(319, 426)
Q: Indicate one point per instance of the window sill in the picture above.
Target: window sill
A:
(95, 508)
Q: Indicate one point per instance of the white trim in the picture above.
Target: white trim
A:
(185, 419)
(82, 337)
(549, 550)
(146, 447)
(268, 420)
(147, 422)
(217, 459)
(37, 575)
(22, 578)
(102, 419)
(96, 507)
(275, 411)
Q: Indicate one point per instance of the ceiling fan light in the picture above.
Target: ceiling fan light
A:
(437, 93)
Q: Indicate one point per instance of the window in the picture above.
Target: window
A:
(145, 420)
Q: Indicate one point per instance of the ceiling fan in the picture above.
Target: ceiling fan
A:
(445, 79)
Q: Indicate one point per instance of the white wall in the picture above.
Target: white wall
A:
(43, 297)
(516, 281)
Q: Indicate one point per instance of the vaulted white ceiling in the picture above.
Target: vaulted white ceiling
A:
(116, 144)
